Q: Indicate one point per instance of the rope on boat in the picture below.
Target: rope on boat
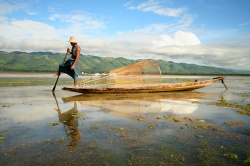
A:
(222, 81)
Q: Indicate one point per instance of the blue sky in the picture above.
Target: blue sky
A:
(204, 32)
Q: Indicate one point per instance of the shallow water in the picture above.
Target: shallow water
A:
(200, 127)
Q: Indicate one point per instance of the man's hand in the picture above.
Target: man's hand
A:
(72, 67)
(68, 50)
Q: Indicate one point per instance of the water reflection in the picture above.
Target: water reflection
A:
(70, 122)
(137, 105)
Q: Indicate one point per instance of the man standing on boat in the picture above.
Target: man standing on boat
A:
(70, 66)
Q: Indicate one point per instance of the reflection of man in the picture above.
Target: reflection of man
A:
(70, 122)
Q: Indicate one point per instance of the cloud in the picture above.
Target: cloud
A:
(33, 45)
(209, 55)
(178, 47)
(245, 24)
(185, 21)
(79, 21)
(32, 13)
(22, 29)
(179, 38)
(9, 8)
(156, 7)
(181, 19)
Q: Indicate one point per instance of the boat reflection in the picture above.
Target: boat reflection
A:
(138, 105)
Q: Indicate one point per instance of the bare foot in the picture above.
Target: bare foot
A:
(58, 110)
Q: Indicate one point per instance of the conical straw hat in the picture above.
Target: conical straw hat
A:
(72, 39)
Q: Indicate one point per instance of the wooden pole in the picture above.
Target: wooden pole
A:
(59, 74)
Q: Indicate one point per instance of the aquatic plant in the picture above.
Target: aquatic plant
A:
(6, 105)
(151, 127)
(243, 109)
(200, 136)
(247, 160)
(139, 119)
(52, 123)
(2, 138)
(116, 128)
(171, 118)
(235, 123)
(230, 155)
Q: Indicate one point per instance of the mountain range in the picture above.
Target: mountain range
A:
(48, 62)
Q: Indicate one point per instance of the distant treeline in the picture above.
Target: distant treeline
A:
(48, 62)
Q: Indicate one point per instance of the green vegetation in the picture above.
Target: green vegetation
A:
(4, 105)
(48, 62)
(242, 109)
(247, 161)
(2, 138)
(230, 156)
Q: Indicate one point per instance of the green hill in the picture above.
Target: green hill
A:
(48, 62)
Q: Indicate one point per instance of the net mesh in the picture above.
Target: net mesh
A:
(141, 73)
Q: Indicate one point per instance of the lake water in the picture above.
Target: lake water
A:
(208, 126)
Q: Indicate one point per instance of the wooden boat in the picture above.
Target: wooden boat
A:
(150, 88)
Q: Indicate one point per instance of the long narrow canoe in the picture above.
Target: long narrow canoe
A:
(147, 88)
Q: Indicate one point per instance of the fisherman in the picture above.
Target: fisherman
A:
(70, 66)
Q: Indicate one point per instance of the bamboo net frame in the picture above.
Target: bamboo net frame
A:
(140, 73)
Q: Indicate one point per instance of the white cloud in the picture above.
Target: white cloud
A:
(32, 13)
(22, 29)
(245, 24)
(185, 39)
(181, 19)
(178, 47)
(209, 55)
(79, 21)
(179, 38)
(155, 7)
(185, 21)
(8, 8)
(33, 45)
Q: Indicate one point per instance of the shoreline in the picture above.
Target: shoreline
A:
(176, 74)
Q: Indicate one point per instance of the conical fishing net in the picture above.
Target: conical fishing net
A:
(138, 74)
